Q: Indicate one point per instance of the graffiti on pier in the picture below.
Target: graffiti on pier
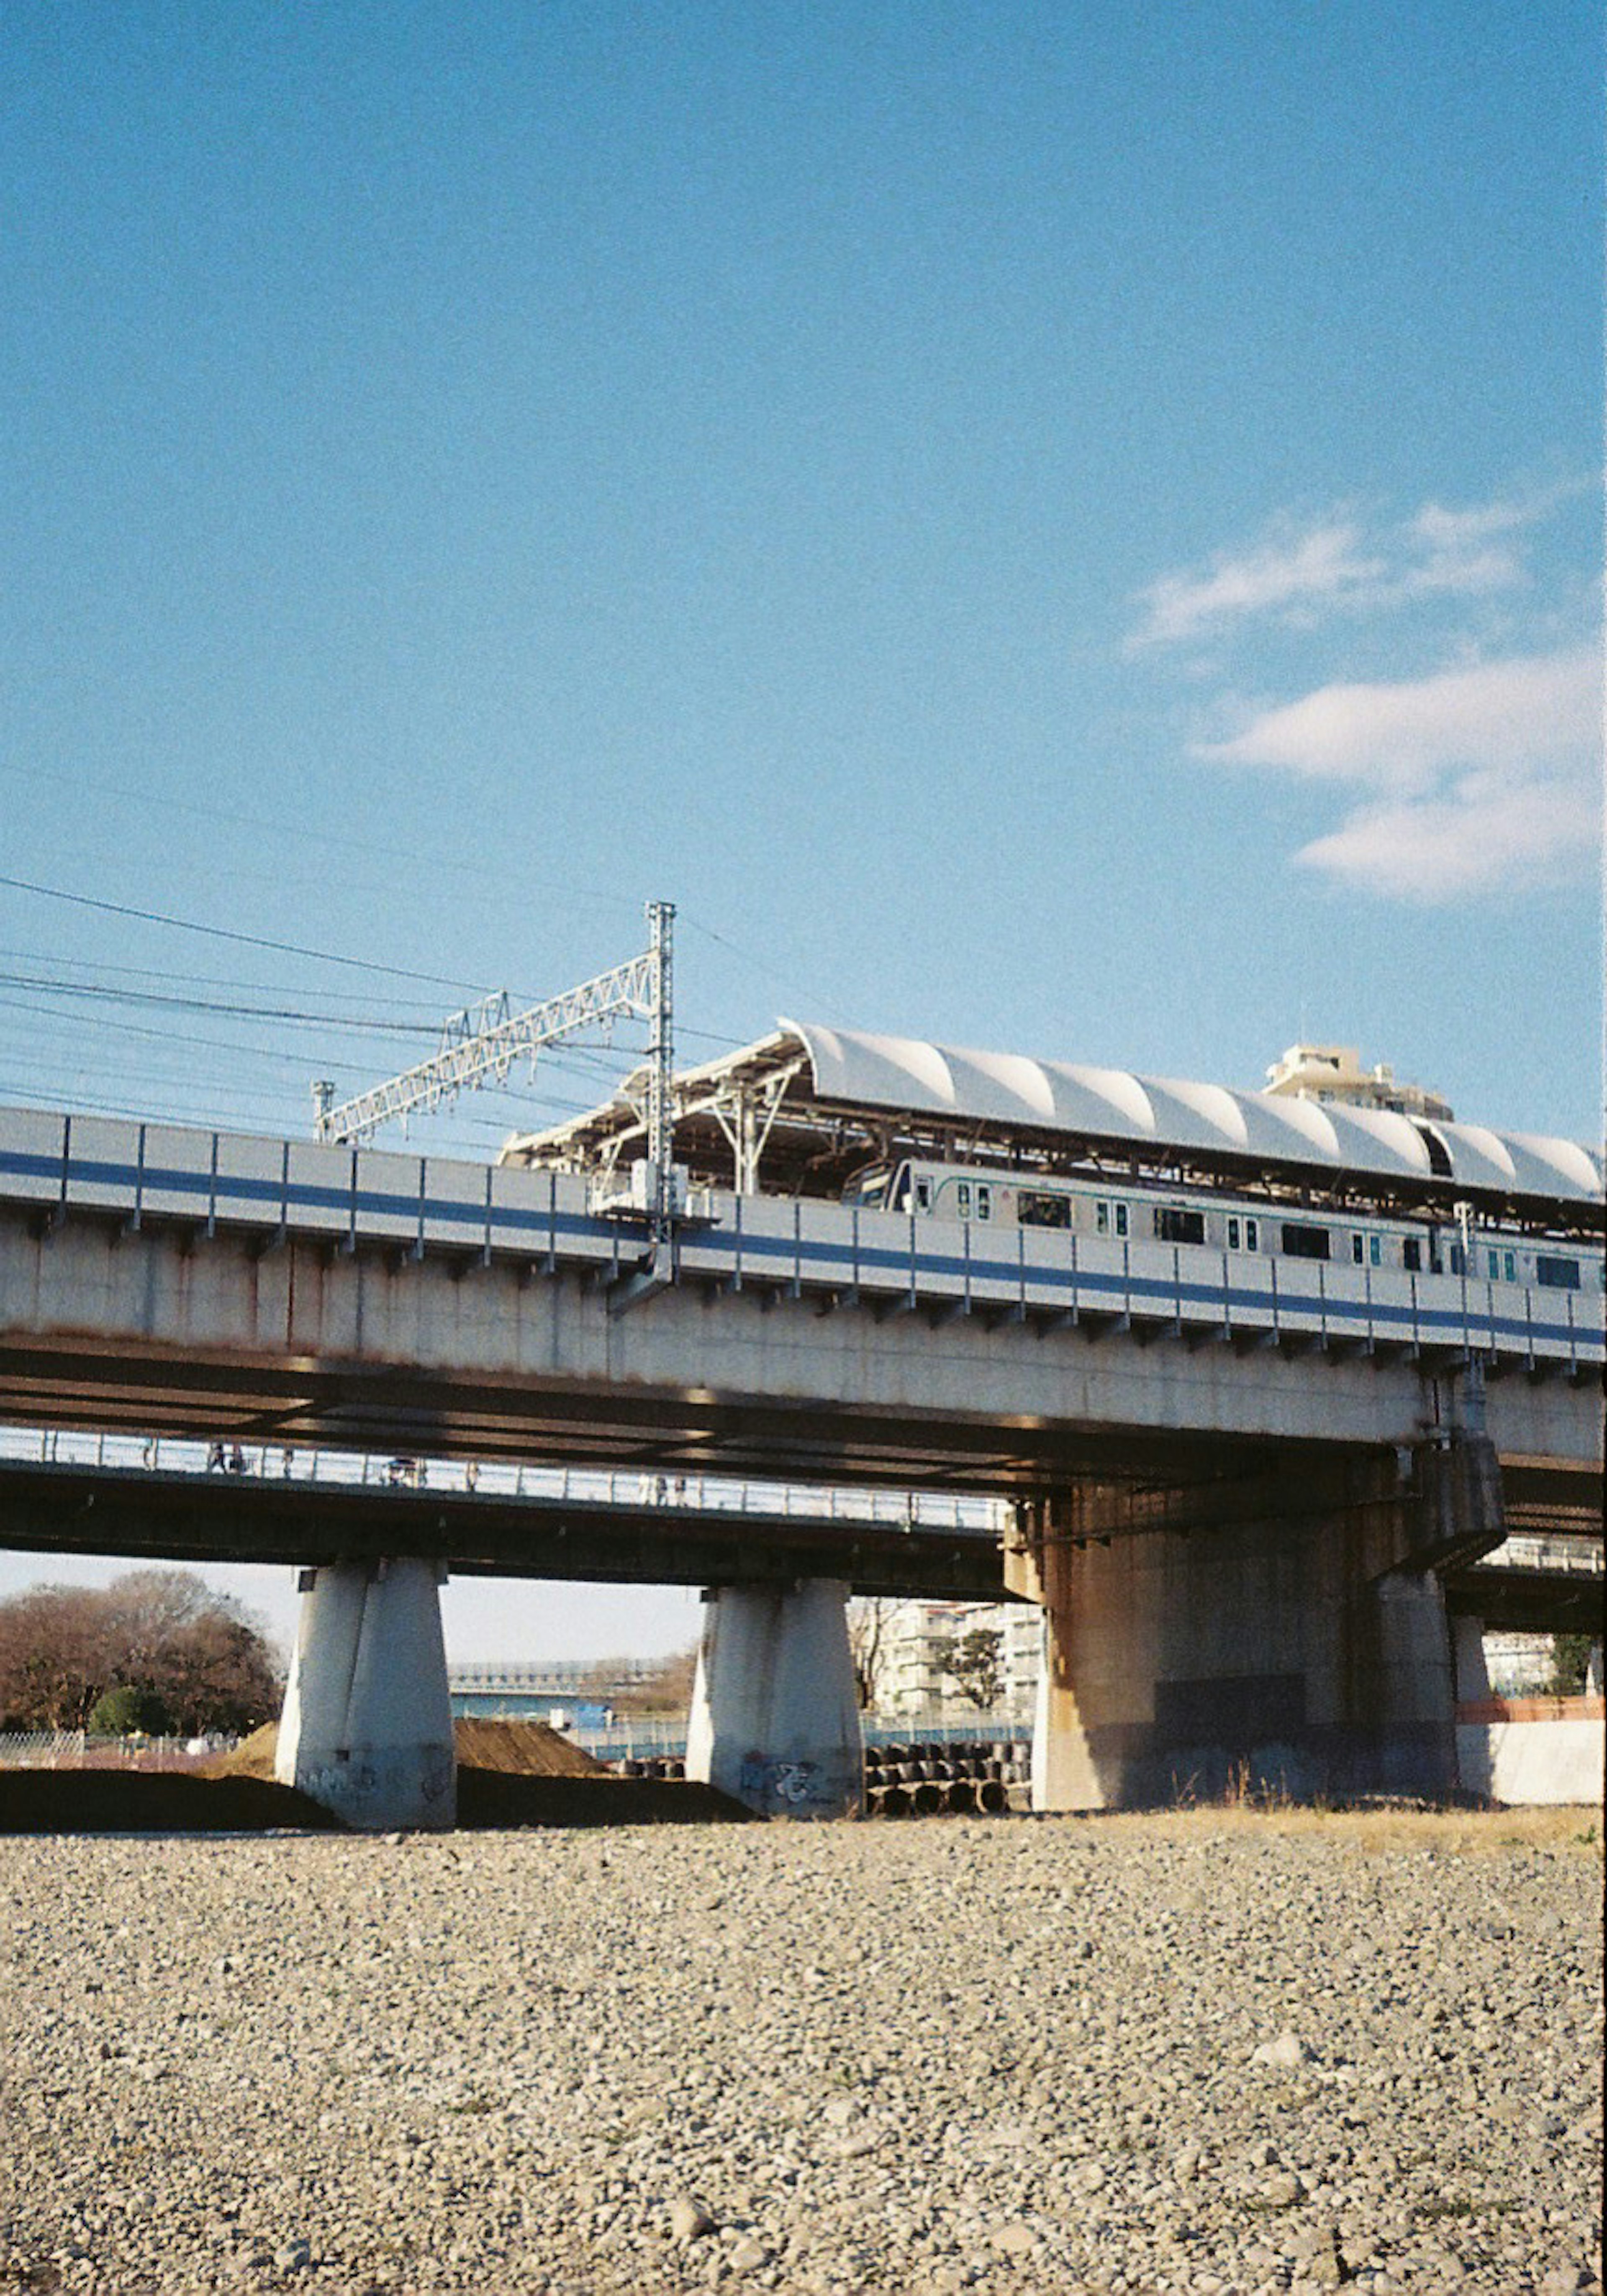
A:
(793, 1787)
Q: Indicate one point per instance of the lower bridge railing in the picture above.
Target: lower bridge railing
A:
(176, 1455)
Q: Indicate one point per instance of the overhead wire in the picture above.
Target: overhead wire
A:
(225, 933)
(301, 832)
(416, 1008)
(85, 1007)
(167, 1001)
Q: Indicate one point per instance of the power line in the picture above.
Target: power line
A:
(425, 1013)
(222, 932)
(747, 956)
(158, 1000)
(300, 834)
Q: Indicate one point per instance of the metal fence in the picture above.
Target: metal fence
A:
(666, 1739)
(76, 1750)
(42, 1750)
(273, 1462)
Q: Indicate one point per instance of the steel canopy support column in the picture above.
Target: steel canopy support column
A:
(367, 1728)
(775, 1718)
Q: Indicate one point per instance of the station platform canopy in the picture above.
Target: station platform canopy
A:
(802, 1110)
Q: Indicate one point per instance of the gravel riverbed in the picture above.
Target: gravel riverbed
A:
(1209, 2051)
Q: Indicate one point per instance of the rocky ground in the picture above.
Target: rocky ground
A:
(1212, 2052)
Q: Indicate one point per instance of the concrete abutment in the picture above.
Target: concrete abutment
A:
(1288, 1637)
(775, 1717)
(367, 1728)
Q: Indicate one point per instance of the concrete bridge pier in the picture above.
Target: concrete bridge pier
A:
(775, 1718)
(1288, 1636)
(1467, 1651)
(367, 1728)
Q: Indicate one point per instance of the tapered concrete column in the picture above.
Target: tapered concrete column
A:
(1401, 1708)
(367, 1728)
(1467, 1649)
(1293, 1638)
(775, 1720)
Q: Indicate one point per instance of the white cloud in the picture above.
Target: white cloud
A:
(1468, 780)
(1468, 842)
(1537, 711)
(1279, 577)
(1294, 575)
(1479, 775)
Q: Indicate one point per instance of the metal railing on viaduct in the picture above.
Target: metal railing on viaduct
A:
(173, 1499)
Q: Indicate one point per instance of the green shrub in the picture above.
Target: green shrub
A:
(1569, 1656)
(117, 1713)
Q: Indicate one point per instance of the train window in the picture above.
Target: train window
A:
(866, 1188)
(923, 1196)
(1512, 1267)
(1436, 1265)
(1492, 1259)
(1121, 1220)
(1357, 1247)
(1101, 1219)
(1252, 1235)
(1375, 1250)
(962, 1198)
(1412, 1252)
(1557, 1274)
(1459, 1260)
(984, 1202)
(1302, 1241)
(1175, 1227)
(1036, 1208)
(1233, 1232)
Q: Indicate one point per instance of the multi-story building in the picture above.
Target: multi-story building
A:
(1335, 1072)
(908, 1646)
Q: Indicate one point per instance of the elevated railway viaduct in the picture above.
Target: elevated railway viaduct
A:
(1236, 1480)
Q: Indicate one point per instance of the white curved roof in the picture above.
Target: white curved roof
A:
(942, 1080)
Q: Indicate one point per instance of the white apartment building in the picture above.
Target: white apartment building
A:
(910, 1644)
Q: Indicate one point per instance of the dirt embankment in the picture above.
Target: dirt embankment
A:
(525, 1750)
(510, 1774)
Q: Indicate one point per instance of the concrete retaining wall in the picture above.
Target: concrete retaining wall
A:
(1532, 1749)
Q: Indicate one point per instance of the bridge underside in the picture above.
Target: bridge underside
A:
(1139, 1479)
(195, 1518)
(1509, 1599)
(635, 1427)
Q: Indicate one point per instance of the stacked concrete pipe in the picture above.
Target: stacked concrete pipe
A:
(951, 1778)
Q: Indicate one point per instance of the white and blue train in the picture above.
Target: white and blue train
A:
(1237, 1223)
(1044, 1156)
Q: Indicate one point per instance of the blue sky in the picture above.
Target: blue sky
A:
(1073, 530)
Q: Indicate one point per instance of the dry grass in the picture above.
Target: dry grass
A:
(1453, 1833)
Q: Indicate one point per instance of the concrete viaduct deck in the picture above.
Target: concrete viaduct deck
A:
(188, 1282)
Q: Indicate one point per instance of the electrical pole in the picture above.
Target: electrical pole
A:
(661, 1114)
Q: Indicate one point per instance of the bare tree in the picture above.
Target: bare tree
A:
(870, 1628)
(164, 1633)
(53, 1658)
(668, 1691)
